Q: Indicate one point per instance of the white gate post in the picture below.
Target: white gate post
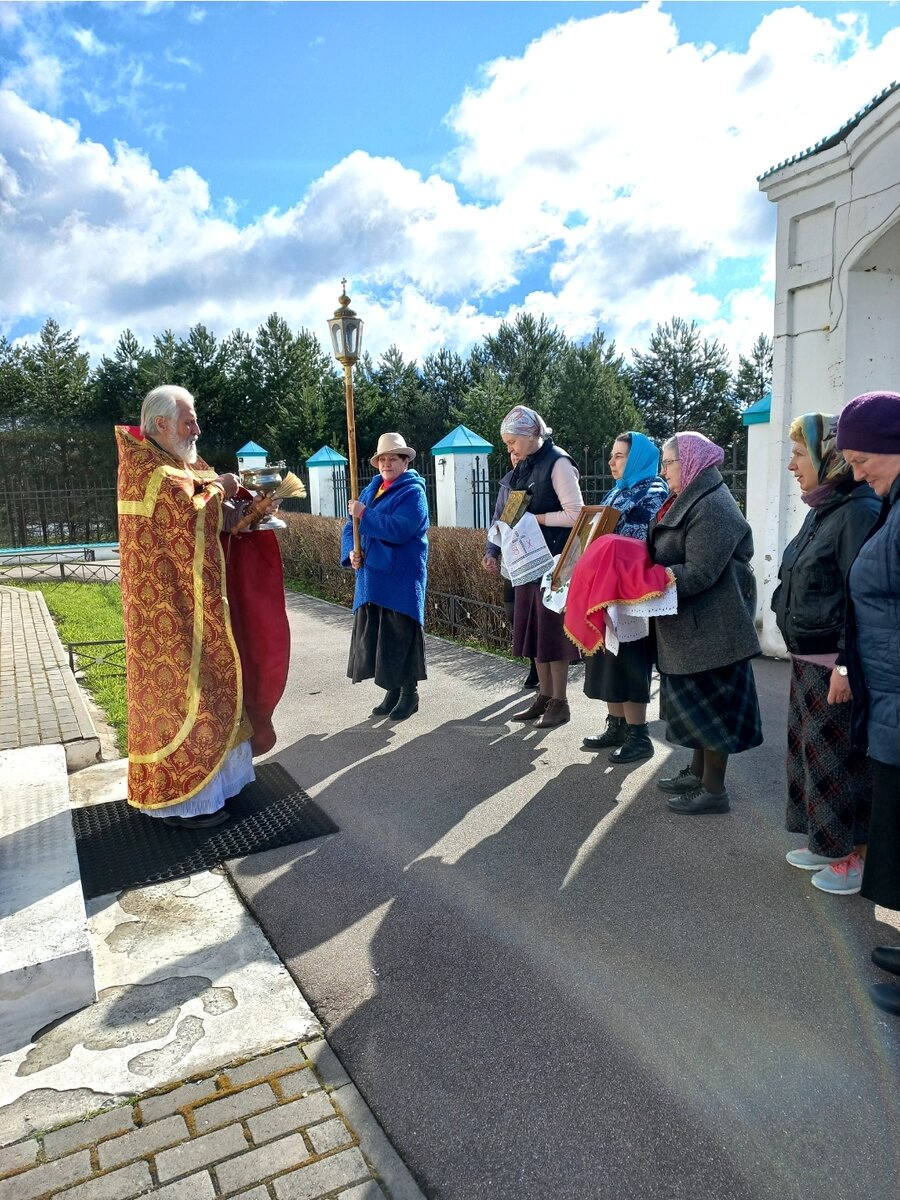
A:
(321, 467)
(455, 463)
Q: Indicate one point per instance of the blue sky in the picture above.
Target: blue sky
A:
(162, 164)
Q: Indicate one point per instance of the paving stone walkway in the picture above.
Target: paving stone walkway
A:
(40, 702)
(289, 1125)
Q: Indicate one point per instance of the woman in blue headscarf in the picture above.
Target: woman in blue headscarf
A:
(623, 680)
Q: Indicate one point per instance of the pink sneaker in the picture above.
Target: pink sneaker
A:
(843, 878)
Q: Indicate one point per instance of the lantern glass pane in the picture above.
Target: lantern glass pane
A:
(337, 338)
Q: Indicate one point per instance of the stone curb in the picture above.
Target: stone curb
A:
(290, 1125)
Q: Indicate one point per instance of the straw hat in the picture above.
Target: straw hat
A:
(392, 443)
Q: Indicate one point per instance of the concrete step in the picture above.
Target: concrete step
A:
(46, 960)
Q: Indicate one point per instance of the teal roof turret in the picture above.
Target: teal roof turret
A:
(326, 457)
(462, 441)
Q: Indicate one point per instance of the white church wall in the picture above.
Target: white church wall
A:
(837, 310)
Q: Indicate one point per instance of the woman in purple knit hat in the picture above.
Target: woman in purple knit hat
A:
(869, 437)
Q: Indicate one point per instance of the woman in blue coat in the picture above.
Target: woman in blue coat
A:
(391, 571)
(869, 438)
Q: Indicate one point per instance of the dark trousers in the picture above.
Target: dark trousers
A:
(881, 878)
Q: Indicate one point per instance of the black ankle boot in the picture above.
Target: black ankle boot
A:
(406, 705)
(531, 679)
(387, 704)
(615, 735)
(637, 745)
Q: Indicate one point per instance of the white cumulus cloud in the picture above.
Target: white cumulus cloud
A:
(604, 176)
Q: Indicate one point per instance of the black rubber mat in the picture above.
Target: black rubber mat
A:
(119, 847)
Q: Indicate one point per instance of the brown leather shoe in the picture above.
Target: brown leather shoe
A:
(535, 709)
(556, 713)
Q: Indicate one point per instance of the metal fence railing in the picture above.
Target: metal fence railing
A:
(83, 655)
(424, 465)
(58, 572)
(46, 511)
(447, 615)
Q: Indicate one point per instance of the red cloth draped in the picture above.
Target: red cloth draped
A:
(613, 570)
(254, 577)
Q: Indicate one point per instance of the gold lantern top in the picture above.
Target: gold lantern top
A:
(346, 331)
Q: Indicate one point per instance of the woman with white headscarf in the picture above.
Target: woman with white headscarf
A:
(550, 476)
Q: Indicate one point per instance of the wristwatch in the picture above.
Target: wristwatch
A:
(841, 671)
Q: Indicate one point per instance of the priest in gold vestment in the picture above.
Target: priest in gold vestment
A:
(206, 636)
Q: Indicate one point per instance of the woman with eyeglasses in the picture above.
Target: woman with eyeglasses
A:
(707, 690)
(622, 680)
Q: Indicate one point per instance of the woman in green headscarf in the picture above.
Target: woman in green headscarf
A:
(829, 787)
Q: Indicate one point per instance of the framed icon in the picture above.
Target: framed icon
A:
(593, 521)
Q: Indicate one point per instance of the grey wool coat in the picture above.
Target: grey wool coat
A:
(705, 539)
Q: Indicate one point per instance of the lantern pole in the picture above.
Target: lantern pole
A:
(346, 335)
(351, 447)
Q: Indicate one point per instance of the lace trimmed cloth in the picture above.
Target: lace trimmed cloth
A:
(615, 589)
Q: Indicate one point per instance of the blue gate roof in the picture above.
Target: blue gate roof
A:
(462, 441)
(759, 413)
(326, 457)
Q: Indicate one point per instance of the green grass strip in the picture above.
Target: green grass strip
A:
(92, 612)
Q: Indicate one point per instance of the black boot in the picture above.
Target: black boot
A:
(637, 745)
(615, 735)
(406, 705)
(531, 679)
(387, 704)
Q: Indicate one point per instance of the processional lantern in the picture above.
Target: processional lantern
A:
(345, 328)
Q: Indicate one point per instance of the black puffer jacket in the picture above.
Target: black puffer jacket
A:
(534, 474)
(809, 602)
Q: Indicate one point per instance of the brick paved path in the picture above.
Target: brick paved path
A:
(279, 1125)
(40, 703)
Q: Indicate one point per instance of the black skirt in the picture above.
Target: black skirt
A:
(712, 710)
(386, 646)
(622, 678)
(881, 877)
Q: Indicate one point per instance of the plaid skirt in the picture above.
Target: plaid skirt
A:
(386, 646)
(829, 783)
(713, 710)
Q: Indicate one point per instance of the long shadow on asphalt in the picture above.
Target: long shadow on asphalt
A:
(547, 985)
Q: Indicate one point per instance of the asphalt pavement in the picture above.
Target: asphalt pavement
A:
(543, 982)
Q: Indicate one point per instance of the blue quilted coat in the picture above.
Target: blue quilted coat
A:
(394, 537)
(873, 627)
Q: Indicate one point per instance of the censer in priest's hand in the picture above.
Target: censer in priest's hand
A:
(268, 483)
